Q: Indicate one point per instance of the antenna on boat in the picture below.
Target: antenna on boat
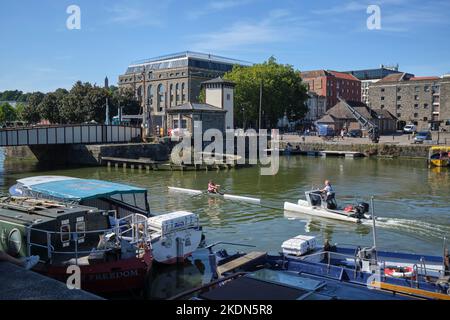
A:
(374, 227)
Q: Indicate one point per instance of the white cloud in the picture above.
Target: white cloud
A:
(396, 15)
(216, 6)
(139, 13)
(280, 26)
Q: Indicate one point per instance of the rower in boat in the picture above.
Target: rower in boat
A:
(213, 188)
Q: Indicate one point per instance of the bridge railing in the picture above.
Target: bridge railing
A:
(68, 134)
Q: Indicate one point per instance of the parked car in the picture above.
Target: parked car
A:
(422, 136)
(409, 128)
(355, 133)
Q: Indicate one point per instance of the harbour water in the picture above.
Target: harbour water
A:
(413, 200)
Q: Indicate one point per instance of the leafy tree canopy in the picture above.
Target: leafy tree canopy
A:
(7, 113)
(283, 93)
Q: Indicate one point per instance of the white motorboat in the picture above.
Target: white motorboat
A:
(315, 205)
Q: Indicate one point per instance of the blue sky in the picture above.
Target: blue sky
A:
(38, 52)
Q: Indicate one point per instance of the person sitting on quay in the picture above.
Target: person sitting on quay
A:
(27, 262)
(213, 188)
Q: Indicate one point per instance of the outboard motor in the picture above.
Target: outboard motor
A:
(362, 208)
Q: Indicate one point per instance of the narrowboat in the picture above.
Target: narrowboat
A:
(110, 259)
(173, 236)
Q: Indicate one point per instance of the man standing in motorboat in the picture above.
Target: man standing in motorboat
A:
(327, 191)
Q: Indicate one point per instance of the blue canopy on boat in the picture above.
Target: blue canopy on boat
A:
(82, 189)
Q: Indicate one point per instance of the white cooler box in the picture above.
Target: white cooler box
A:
(299, 245)
(174, 221)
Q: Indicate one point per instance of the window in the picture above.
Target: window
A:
(425, 105)
(416, 97)
(172, 102)
(177, 93)
(399, 97)
(382, 106)
(399, 115)
(425, 118)
(183, 95)
(382, 90)
(382, 98)
(416, 106)
(228, 96)
(65, 234)
(399, 106)
(426, 88)
(150, 95)
(416, 115)
(417, 88)
(161, 97)
(399, 89)
(80, 228)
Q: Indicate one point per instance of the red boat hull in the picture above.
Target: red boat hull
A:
(108, 277)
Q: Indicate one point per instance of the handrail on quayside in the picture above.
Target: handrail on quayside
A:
(136, 238)
(352, 257)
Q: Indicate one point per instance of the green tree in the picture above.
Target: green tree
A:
(20, 111)
(30, 111)
(124, 98)
(49, 108)
(7, 113)
(283, 93)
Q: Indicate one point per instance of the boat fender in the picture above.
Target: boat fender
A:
(399, 272)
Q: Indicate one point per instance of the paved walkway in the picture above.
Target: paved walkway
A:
(19, 284)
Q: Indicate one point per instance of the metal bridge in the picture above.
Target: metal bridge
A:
(68, 134)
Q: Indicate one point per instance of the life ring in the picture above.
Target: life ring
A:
(399, 272)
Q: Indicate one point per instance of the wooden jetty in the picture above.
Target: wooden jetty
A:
(132, 163)
(219, 162)
(347, 154)
(250, 257)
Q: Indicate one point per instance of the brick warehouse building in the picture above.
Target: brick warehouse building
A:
(330, 84)
(423, 101)
(168, 81)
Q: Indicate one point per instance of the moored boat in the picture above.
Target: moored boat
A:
(110, 258)
(173, 236)
(315, 205)
(439, 156)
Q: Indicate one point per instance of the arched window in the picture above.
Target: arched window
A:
(177, 89)
(171, 95)
(183, 95)
(161, 97)
(150, 95)
(139, 93)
